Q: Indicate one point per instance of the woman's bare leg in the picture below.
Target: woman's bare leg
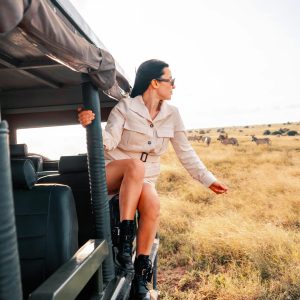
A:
(148, 206)
(126, 175)
(149, 217)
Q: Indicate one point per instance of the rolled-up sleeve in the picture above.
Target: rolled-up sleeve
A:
(114, 127)
(187, 155)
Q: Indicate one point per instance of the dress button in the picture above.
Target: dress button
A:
(149, 142)
(151, 125)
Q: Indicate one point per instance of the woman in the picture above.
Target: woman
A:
(138, 131)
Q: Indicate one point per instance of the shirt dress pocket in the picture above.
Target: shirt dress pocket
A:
(136, 134)
(163, 136)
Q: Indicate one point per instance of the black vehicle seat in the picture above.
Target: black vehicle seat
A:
(46, 222)
(21, 151)
(73, 171)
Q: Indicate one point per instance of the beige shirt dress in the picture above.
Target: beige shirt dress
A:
(131, 133)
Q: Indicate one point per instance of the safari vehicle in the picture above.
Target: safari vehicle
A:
(58, 230)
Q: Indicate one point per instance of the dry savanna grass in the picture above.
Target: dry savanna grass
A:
(242, 245)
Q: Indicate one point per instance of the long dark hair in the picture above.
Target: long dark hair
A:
(147, 71)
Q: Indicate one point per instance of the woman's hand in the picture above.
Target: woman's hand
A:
(85, 117)
(218, 187)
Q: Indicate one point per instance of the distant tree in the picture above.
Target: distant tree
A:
(269, 125)
(276, 132)
(267, 132)
(201, 131)
(246, 126)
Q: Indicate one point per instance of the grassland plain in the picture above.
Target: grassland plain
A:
(241, 245)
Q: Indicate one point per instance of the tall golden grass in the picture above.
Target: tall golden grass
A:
(241, 245)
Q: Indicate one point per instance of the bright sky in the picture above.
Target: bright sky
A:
(235, 62)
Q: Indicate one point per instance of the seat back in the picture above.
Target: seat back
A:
(73, 171)
(21, 151)
(46, 224)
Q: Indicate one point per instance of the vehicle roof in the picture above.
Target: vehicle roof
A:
(44, 48)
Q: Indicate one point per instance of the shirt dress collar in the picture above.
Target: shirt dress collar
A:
(138, 106)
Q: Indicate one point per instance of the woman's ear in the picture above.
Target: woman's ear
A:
(154, 83)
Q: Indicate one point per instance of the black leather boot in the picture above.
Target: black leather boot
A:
(124, 256)
(143, 275)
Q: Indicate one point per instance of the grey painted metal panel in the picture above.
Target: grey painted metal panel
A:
(67, 282)
(36, 77)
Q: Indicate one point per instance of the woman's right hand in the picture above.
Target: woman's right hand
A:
(218, 188)
(85, 117)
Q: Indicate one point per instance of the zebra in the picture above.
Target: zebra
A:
(206, 140)
(226, 140)
(195, 138)
(261, 141)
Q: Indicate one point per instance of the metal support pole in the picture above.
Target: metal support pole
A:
(97, 175)
(155, 272)
(10, 278)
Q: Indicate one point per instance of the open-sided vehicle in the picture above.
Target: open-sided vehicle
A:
(57, 228)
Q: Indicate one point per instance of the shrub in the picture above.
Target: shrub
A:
(276, 132)
(267, 132)
(292, 133)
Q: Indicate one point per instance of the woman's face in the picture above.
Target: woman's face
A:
(165, 85)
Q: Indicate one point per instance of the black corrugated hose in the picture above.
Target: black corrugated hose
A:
(97, 176)
(10, 279)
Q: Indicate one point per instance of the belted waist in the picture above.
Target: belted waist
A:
(144, 156)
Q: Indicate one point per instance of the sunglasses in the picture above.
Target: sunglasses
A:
(171, 81)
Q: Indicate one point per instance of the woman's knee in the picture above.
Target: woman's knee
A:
(153, 212)
(151, 209)
(156, 207)
(136, 168)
